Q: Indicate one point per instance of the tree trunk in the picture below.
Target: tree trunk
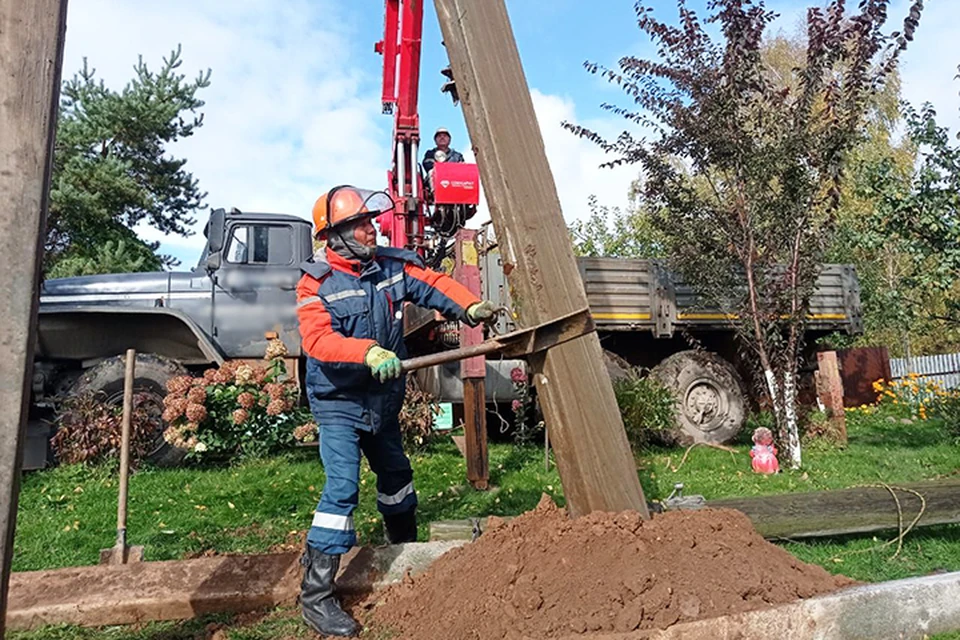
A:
(791, 427)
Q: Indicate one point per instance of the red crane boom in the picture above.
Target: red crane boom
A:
(427, 212)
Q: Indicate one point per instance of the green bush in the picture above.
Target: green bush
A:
(947, 407)
(649, 409)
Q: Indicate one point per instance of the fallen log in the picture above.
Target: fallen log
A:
(810, 514)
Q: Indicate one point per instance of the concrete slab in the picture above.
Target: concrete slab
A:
(909, 609)
(178, 590)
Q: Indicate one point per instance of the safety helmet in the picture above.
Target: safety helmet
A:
(439, 131)
(345, 204)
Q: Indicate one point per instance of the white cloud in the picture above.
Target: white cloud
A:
(288, 112)
(576, 162)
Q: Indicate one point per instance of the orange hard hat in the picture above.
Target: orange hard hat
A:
(346, 204)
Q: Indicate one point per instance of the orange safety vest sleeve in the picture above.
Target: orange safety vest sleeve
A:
(317, 335)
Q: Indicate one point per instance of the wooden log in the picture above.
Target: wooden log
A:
(593, 456)
(808, 515)
(31, 55)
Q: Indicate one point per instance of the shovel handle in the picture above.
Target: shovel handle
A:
(128, 379)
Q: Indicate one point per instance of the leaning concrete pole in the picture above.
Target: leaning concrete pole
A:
(31, 54)
(593, 455)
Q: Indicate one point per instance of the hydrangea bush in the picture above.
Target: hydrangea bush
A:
(238, 409)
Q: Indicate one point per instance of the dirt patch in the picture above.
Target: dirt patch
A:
(543, 575)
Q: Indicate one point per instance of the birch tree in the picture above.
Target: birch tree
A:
(744, 168)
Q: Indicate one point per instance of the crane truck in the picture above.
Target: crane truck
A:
(241, 293)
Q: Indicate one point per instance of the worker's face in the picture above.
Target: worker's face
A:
(365, 233)
(443, 141)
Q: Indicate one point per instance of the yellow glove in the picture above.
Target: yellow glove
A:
(384, 364)
(483, 311)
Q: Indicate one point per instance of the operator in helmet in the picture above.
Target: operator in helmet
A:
(442, 139)
(350, 309)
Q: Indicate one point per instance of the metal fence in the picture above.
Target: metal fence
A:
(943, 369)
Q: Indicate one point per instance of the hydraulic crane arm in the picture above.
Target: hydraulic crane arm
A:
(400, 47)
(428, 209)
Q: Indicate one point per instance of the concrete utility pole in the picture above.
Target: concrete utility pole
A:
(31, 56)
(593, 455)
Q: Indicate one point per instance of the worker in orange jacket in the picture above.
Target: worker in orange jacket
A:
(350, 309)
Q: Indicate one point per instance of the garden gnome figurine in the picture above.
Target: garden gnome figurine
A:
(763, 453)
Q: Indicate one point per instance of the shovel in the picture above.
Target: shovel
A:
(516, 344)
(120, 553)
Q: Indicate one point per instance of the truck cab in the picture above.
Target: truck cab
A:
(241, 293)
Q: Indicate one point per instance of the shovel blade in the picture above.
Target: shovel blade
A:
(121, 555)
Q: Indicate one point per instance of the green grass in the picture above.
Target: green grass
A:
(68, 514)
(879, 451)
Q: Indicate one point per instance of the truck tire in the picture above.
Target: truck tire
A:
(152, 374)
(617, 367)
(711, 398)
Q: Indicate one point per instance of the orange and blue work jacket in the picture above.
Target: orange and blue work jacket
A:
(344, 308)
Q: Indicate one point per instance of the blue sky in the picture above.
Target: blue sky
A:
(294, 104)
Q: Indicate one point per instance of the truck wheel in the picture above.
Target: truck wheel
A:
(711, 402)
(617, 367)
(152, 374)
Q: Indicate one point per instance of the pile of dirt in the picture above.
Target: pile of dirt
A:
(543, 575)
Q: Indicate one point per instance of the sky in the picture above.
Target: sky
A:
(294, 102)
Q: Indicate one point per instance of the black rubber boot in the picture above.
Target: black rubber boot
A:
(318, 603)
(401, 527)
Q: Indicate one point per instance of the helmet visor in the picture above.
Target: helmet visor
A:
(350, 202)
(376, 202)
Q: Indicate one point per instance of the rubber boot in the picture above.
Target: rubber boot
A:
(320, 608)
(401, 527)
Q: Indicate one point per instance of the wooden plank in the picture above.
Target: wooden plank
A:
(808, 515)
(594, 459)
(31, 55)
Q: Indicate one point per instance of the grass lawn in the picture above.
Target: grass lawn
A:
(68, 514)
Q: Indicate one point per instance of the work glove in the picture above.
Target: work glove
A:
(483, 311)
(384, 364)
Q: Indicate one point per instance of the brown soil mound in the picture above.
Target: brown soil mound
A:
(543, 575)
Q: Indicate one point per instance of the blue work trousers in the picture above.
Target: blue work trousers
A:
(332, 531)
